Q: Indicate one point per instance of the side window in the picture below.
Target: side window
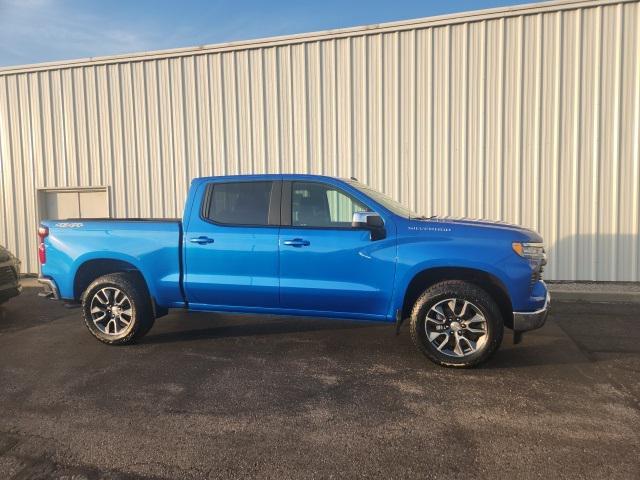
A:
(317, 205)
(242, 203)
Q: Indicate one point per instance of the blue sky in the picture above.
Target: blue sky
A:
(44, 30)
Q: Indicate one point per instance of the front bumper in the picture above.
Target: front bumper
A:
(525, 321)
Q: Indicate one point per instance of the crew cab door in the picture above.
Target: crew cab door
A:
(231, 246)
(326, 265)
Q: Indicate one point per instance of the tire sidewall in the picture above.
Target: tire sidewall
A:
(463, 291)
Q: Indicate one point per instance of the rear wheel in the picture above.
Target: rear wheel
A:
(456, 324)
(117, 308)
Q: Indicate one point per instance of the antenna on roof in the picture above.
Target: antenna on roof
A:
(354, 179)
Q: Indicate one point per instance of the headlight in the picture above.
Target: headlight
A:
(534, 251)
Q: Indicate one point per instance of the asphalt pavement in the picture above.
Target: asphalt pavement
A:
(237, 396)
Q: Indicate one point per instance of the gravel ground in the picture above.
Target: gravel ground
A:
(236, 396)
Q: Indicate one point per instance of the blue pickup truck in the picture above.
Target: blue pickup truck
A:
(303, 245)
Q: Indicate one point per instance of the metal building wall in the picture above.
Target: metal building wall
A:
(528, 114)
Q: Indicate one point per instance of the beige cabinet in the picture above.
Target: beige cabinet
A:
(54, 204)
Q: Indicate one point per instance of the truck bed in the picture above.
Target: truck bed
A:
(151, 246)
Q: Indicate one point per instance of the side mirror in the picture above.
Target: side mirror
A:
(370, 221)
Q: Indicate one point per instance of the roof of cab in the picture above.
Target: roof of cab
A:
(266, 176)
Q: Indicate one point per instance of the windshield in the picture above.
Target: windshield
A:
(386, 201)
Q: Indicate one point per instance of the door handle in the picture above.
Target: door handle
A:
(297, 242)
(202, 240)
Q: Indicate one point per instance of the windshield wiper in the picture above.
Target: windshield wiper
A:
(422, 217)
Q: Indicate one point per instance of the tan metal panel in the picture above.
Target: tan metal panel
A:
(526, 114)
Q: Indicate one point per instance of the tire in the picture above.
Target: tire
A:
(451, 332)
(128, 314)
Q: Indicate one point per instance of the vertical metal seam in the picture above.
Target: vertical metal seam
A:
(145, 97)
(136, 149)
(53, 131)
(32, 210)
(414, 127)
(183, 118)
(249, 101)
(336, 128)
(350, 105)
(223, 110)
(263, 93)
(448, 152)
(615, 155)
(557, 127)
(22, 161)
(5, 205)
(538, 123)
(500, 167)
(321, 113)
(163, 202)
(88, 152)
(519, 127)
(175, 146)
(595, 160)
(100, 156)
(236, 105)
(197, 154)
(382, 177)
(482, 169)
(365, 107)
(577, 115)
(74, 127)
(277, 109)
(635, 253)
(398, 123)
(292, 114)
(431, 124)
(63, 144)
(125, 159)
(307, 95)
(465, 123)
(42, 166)
(11, 156)
(111, 145)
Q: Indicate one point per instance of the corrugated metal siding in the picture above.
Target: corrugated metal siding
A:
(529, 115)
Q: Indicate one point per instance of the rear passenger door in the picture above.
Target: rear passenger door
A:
(231, 247)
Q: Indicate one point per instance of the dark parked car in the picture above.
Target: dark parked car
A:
(9, 275)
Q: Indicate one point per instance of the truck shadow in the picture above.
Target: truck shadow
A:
(197, 326)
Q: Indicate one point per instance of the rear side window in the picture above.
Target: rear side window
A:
(319, 205)
(242, 203)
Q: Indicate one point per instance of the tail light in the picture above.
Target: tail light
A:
(43, 232)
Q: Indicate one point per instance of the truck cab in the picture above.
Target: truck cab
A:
(304, 245)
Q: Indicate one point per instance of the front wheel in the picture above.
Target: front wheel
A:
(117, 309)
(456, 324)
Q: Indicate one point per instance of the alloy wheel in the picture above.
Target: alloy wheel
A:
(111, 311)
(456, 327)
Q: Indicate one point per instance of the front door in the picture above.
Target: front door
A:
(325, 264)
(231, 248)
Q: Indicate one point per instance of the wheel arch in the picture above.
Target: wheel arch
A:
(483, 279)
(94, 268)
(91, 269)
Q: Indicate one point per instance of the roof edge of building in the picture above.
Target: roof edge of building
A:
(373, 29)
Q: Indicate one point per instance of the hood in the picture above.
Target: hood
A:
(517, 232)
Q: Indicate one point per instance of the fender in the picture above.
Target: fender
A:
(405, 275)
(113, 256)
